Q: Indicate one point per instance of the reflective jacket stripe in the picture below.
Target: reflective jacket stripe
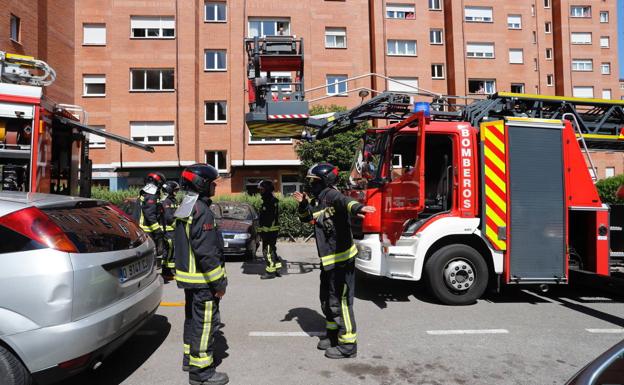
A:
(268, 229)
(339, 257)
(211, 276)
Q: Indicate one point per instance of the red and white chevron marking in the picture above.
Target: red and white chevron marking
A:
(290, 116)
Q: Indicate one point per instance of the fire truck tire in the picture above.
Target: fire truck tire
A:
(12, 371)
(456, 275)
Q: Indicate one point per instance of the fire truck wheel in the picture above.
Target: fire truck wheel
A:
(12, 371)
(456, 275)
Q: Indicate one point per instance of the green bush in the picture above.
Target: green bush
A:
(608, 187)
(115, 197)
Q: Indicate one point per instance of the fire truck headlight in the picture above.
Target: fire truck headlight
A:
(364, 253)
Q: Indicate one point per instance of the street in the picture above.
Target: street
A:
(518, 337)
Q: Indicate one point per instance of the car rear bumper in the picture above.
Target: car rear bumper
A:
(236, 246)
(97, 335)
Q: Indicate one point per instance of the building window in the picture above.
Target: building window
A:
(478, 14)
(94, 34)
(152, 80)
(217, 160)
(402, 47)
(581, 38)
(604, 16)
(605, 68)
(94, 85)
(548, 27)
(152, 132)
(604, 42)
(532, 9)
(400, 11)
(582, 65)
(334, 85)
(16, 26)
(437, 71)
(435, 36)
(516, 56)
(435, 5)
(580, 11)
(546, 3)
(269, 27)
(272, 140)
(215, 11)
(96, 141)
(291, 184)
(481, 86)
(534, 37)
(609, 172)
(583, 92)
(517, 88)
(335, 37)
(548, 53)
(398, 84)
(215, 60)
(152, 27)
(514, 21)
(550, 80)
(216, 112)
(480, 50)
(606, 94)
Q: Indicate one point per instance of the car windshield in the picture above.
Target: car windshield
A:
(234, 211)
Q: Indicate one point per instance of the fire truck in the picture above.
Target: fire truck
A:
(495, 192)
(44, 146)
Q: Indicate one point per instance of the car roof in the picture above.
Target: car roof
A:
(14, 200)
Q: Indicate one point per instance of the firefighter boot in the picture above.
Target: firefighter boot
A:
(329, 340)
(267, 275)
(342, 351)
(217, 378)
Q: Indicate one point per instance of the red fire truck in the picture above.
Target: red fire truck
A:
(43, 145)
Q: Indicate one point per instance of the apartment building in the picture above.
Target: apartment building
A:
(173, 74)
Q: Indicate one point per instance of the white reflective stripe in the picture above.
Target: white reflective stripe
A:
(340, 257)
(351, 204)
(200, 362)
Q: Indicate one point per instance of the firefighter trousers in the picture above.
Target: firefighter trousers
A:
(168, 259)
(269, 251)
(336, 295)
(201, 324)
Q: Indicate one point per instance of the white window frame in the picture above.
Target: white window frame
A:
(548, 27)
(479, 14)
(159, 23)
(604, 16)
(436, 36)
(262, 20)
(395, 43)
(410, 84)
(549, 54)
(220, 168)
(512, 22)
(436, 68)
(582, 38)
(605, 42)
(605, 68)
(491, 82)
(147, 129)
(331, 37)
(400, 11)
(216, 53)
(579, 11)
(94, 34)
(513, 56)
(550, 80)
(297, 185)
(585, 88)
(435, 5)
(609, 172)
(517, 84)
(481, 52)
(215, 5)
(160, 77)
(275, 140)
(546, 3)
(93, 79)
(214, 105)
(582, 65)
(96, 141)
(607, 92)
(337, 78)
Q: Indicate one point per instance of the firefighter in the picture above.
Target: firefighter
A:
(269, 229)
(148, 209)
(200, 272)
(170, 205)
(330, 212)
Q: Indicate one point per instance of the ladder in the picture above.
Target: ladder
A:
(25, 70)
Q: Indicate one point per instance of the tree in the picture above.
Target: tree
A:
(607, 189)
(338, 150)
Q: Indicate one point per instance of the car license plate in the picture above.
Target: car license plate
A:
(133, 269)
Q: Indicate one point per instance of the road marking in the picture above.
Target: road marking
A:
(286, 334)
(606, 331)
(596, 299)
(482, 331)
(172, 304)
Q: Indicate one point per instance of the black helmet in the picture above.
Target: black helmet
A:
(199, 178)
(267, 185)
(325, 172)
(171, 187)
(156, 178)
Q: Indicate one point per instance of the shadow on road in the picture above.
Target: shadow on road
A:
(310, 321)
(257, 267)
(381, 290)
(129, 357)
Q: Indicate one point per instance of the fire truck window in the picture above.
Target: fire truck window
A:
(403, 155)
(15, 138)
(438, 173)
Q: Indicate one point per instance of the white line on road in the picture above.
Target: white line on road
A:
(606, 331)
(482, 331)
(286, 334)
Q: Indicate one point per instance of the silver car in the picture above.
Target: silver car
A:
(77, 279)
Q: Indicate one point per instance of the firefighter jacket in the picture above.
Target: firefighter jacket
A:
(149, 213)
(330, 214)
(169, 205)
(269, 215)
(198, 248)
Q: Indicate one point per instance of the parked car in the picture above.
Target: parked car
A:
(608, 368)
(238, 223)
(77, 280)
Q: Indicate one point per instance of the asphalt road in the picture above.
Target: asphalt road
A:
(518, 337)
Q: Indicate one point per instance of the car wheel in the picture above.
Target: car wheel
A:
(456, 275)
(12, 371)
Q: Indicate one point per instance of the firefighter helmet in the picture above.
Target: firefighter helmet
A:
(325, 172)
(199, 178)
(171, 187)
(267, 185)
(155, 178)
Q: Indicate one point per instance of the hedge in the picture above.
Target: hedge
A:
(608, 187)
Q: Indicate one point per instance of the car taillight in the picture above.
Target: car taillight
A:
(34, 224)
